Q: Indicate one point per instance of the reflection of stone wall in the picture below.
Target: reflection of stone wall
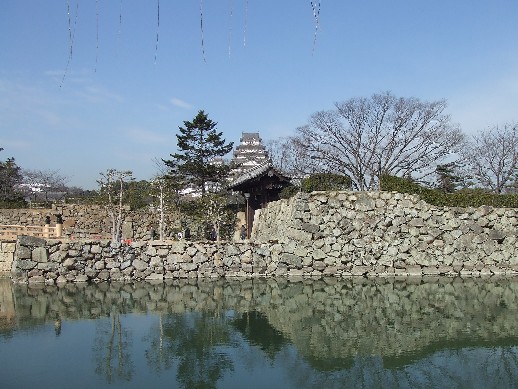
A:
(325, 319)
(337, 318)
(7, 306)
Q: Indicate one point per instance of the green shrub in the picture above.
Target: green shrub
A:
(318, 182)
(13, 204)
(326, 181)
(460, 198)
(289, 191)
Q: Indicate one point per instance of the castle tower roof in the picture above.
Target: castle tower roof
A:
(250, 153)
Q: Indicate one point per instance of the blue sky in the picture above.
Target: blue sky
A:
(257, 71)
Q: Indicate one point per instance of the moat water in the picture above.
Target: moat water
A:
(274, 333)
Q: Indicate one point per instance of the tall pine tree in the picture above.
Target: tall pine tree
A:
(448, 177)
(200, 147)
(10, 180)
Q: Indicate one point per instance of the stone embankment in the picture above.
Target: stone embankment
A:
(55, 261)
(391, 233)
(332, 233)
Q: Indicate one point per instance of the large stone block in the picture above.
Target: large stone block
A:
(30, 241)
(6, 256)
(361, 270)
(23, 252)
(25, 264)
(127, 230)
(103, 275)
(48, 266)
(7, 247)
(311, 228)
(291, 260)
(140, 265)
(497, 235)
(40, 254)
(69, 263)
(298, 235)
(414, 270)
(6, 261)
(154, 276)
(188, 266)
(81, 278)
(36, 279)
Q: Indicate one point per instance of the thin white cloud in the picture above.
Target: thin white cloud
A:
(99, 94)
(50, 118)
(140, 135)
(13, 144)
(180, 103)
(64, 78)
(13, 95)
(25, 107)
(80, 83)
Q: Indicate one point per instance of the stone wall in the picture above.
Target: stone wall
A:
(332, 233)
(391, 233)
(31, 217)
(7, 250)
(56, 261)
(82, 221)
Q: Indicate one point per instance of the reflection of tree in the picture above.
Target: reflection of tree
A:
(158, 357)
(498, 365)
(464, 368)
(255, 327)
(57, 327)
(111, 350)
(193, 340)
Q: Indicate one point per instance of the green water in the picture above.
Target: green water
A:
(275, 333)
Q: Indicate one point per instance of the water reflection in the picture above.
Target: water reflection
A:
(301, 333)
(192, 341)
(111, 350)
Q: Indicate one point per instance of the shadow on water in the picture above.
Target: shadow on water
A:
(364, 331)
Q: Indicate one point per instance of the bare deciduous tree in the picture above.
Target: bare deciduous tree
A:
(166, 200)
(112, 189)
(215, 205)
(366, 137)
(492, 156)
(291, 157)
(43, 182)
(159, 193)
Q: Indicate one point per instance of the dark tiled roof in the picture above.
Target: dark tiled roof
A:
(250, 136)
(251, 173)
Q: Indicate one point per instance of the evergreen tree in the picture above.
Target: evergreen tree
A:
(448, 177)
(200, 150)
(10, 180)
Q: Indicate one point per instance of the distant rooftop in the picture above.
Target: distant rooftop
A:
(248, 136)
